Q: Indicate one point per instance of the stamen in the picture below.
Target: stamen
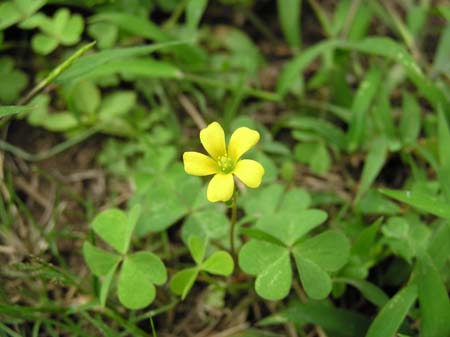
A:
(226, 164)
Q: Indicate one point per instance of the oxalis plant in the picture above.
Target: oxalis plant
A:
(271, 241)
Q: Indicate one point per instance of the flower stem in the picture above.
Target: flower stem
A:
(233, 226)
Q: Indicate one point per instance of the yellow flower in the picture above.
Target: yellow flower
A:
(225, 162)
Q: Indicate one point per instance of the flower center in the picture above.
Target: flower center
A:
(225, 164)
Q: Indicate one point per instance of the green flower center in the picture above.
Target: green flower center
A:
(226, 164)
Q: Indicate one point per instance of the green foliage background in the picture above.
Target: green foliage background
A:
(103, 233)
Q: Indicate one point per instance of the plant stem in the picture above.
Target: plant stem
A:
(233, 226)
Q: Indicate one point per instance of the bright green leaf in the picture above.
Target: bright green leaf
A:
(182, 281)
(289, 17)
(219, 263)
(114, 227)
(373, 164)
(138, 274)
(289, 227)
(99, 261)
(197, 248)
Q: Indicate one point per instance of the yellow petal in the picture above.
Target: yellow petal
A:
(213, 140)
(198, 164)
(221, 187)
(250, 172)
(242, 140)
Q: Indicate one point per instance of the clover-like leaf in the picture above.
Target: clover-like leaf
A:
(182, 282)
(63, 28)
(106, 284)
(15, 11)
(43, 44)
(315, 280)
(115, 227)
(275, 237)
(289, 227)
(268, 200)
(275, 281)
(99, 261)
(138, 275)
(13, 81)
(210, 223)
(86, 97)
(271, 264)
(219, 263)
(330, 250)
(197, 248)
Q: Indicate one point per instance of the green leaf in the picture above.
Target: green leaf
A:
(444, 158)
(60, 122)
(15, 11)
(373, 164)
(289, 17)
(13, 81)
(330, 250)
(137, 68)
(439, 245)
(194, 12)
(393, 313)
(116, 104)
(197, 248)
(320, 161)
(374, 45)
(433, 299)
(208, 224)
(261, 235)
(106, 284)
(410, 122)
(86, 97)
(366, 238)
(219, 263)
(298, 64)
(104, 33)
(315, 280)
(274, 282)
(99, 261)
(133, 24)
(14, 110)
(182, 282)
(295, 199)
(440, 61)
(256, 255)
(87, 64)
(115, 228)
(368, 290)
(165, 198)
(138, 274)
(43, 44)
(290, 227)
(421, 201)
(71, 33)
(361, 103)
(263, 201)
(322, 127)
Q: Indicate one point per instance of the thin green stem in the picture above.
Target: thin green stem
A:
(233, 225)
